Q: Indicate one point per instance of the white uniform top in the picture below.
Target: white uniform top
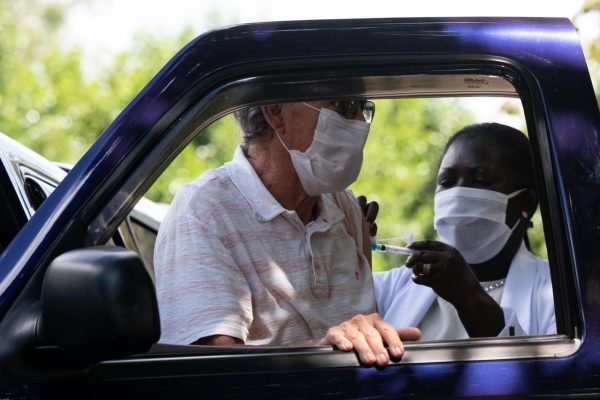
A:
(230, 260)
(527, 299)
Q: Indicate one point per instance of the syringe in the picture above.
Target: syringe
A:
(386, 248)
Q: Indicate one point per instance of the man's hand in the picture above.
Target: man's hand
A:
(367, 334)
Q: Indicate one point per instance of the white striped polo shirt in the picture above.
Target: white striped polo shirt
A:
(230, 260)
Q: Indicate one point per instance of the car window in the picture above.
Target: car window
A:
(11, 210)
(399, 172)
(37, 188)
(140, 228)
(402, 154)
(415, 115)
(27, 180)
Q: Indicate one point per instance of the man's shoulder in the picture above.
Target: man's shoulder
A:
(209, 190)
(215, 182)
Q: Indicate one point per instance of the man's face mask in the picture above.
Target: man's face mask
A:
(334, 158)
(473, 221)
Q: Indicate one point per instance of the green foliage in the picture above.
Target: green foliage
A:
(30, 65)
(594, 64)
(399, 172)
(50, 104)
(401, 158)
(591, 11)
(46, 101)
(214, 147)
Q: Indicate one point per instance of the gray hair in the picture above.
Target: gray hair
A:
(253, 123)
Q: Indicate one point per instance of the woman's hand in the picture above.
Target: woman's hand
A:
(442, 268)
(370, 211)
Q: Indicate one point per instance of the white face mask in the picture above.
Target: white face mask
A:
(335, 156)
(473, 221)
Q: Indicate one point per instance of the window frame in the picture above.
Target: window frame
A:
(300, 86)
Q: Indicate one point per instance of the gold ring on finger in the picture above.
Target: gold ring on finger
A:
(426, 268)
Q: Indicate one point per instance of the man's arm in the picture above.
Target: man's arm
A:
(197, 280)
(219, 340)
(366, 334)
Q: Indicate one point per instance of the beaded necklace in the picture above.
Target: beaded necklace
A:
(491, 285)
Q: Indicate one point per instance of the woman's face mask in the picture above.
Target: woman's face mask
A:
(334, 159)
(473, 221)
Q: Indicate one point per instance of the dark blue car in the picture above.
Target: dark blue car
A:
(78, 312)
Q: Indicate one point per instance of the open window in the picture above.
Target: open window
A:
(416, 113)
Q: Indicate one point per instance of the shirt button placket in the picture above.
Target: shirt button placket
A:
(320, 284)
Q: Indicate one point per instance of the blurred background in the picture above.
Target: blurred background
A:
(69, 67)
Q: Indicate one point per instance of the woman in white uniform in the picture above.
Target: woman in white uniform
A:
(480, 279)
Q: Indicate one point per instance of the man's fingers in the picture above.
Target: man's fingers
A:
(409, 334)
(390, 336)
(336, 337)
(367, 334)
(369, 327)
(352, 331)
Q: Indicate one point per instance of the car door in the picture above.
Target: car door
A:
(274, 62)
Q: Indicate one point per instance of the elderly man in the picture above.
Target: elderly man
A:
(266, 250)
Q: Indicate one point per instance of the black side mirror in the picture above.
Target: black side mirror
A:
(98, 303)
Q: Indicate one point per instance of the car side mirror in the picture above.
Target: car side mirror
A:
(97, 303)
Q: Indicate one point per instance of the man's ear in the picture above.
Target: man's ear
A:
(273, 114)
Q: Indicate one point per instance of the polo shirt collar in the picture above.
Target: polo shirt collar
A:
(264, 205)
(245, 178)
